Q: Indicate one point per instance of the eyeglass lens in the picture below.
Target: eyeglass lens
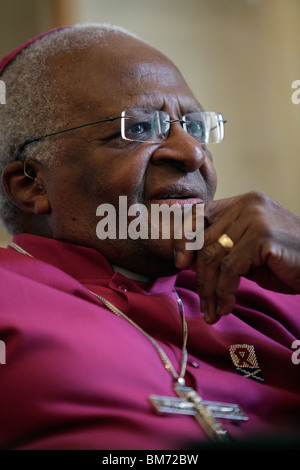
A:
(148, 125)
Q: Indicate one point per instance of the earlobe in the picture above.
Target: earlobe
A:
(25, 189)
(41, 204)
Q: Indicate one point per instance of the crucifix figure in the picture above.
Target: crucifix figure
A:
(205, 412)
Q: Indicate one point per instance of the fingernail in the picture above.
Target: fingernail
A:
(206, 317)
(207, 314)
(210, 315)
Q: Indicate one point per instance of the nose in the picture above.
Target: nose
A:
(180, 149)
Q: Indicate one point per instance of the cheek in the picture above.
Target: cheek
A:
(66, 201)
(212, 184)
(210, 177)
(109, 176)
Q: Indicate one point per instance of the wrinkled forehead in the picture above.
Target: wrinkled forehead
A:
(124, 73)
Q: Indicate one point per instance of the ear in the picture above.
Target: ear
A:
(26, 191)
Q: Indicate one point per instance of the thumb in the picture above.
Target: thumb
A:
(191, 238)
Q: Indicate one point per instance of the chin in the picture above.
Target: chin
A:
(152, 258)
(157, 260)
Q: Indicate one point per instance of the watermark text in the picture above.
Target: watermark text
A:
(2, 92)
(296, 94)
(296, 354)
(162, 221)
(2, 352)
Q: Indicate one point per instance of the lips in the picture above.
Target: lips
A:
(177, 195)
(178, 201)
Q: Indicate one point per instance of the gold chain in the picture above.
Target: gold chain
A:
(178, 377)
(19, 249)
(166, 361)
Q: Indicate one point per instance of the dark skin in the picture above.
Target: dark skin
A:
(96, 166)
(266, 250)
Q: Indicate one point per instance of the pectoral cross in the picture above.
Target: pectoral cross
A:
(205, 412)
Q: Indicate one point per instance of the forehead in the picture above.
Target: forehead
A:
(124, 73)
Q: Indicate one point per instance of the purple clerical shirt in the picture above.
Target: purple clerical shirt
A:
(76, 376)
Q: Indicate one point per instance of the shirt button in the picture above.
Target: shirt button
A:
(123, 287)
(195, 364)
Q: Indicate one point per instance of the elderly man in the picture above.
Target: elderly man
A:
(123, 342)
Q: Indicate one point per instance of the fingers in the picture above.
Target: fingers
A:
(229, 252)
(249, 235)
(218, 274)
(191, 238)
(215, 291)
(219, 280)
(183, 258)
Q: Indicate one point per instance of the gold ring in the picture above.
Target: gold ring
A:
(226, 242)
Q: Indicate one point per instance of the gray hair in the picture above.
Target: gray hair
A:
(32, 106)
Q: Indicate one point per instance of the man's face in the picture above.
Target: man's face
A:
(98, 166)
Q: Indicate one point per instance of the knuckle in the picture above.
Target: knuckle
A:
(256, 202)
(209, 255)
(258, 213)
(227, 266)
(221, 292)
(258, 198)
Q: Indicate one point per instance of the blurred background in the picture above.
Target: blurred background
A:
(240, 57)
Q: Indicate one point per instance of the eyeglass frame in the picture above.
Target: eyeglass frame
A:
(111, 119)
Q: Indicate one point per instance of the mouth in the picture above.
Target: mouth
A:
(180, 196)
(181, 201)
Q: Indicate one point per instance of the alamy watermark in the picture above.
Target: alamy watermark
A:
(2, 352)
(296, 94)
(2, 92)
(296, 354)
(163, 221)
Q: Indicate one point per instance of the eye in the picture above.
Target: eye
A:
(196, 125)
(139, 130)
(196, 128)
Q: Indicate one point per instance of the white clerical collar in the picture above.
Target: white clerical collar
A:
(131, 275)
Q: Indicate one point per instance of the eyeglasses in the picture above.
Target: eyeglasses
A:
(148, 125)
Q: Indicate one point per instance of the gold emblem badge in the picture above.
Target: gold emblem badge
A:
(244, 359)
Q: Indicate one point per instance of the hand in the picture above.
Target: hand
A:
(266, 249)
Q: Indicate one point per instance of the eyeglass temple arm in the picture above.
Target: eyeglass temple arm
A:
(36, 139)
(221, 120)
